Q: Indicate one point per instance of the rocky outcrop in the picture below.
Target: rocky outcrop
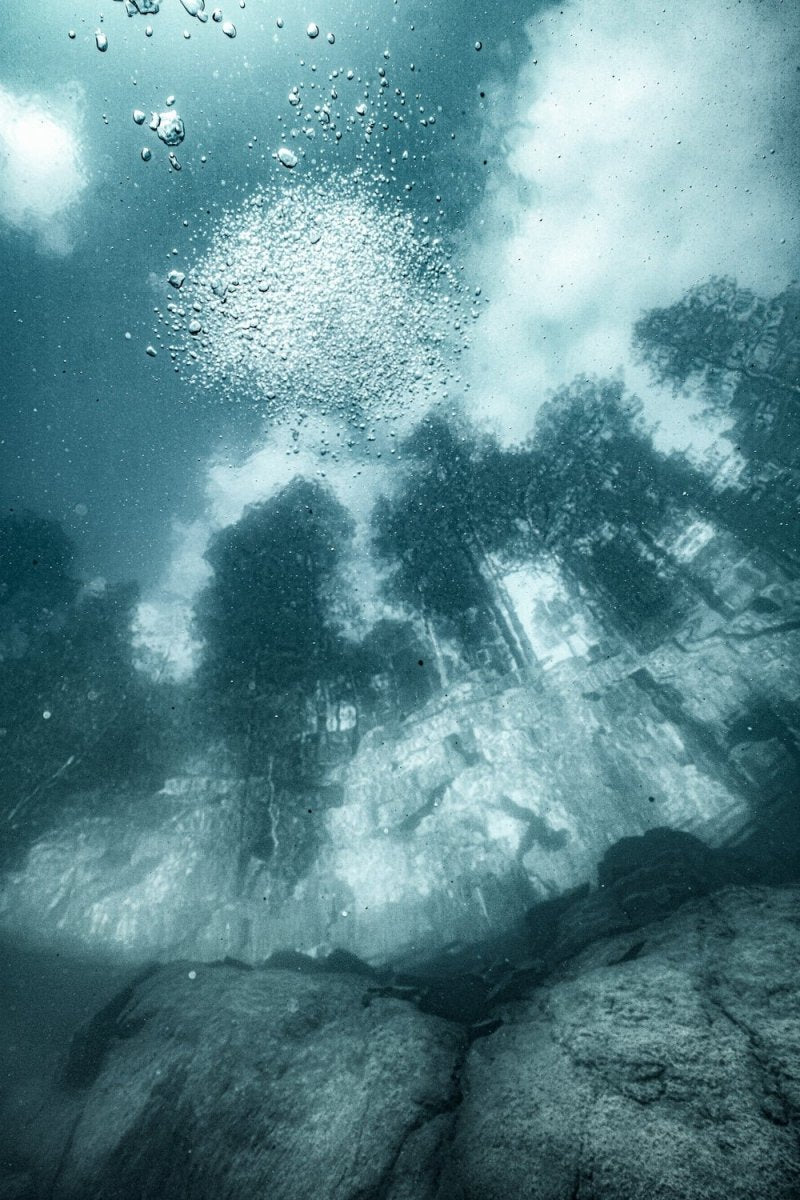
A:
(225, 1081)
(660, 1067)
(662, 1063)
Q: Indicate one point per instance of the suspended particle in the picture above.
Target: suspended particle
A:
(139, 116)
(175, 279)
(229, 29)
(173, 162)
(216, 15)
(312, 29)
(151, 351)
(287, 157)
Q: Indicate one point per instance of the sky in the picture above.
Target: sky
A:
(579, 163)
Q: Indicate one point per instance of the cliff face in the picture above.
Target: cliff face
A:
(449, 822)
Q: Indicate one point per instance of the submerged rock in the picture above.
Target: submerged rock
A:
(216, 1082)
(660, 1064)
(660, 1067)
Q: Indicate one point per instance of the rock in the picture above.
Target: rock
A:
(650, 876)
(217, 1082)
(673, 1075)
(660, 1064)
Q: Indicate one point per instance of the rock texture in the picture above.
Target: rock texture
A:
(660, 1067)
(222, 1081)
(662, 1063)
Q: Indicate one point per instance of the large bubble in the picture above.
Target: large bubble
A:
(320, 295)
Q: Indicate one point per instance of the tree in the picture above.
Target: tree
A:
(436, 530)
(265, 619)
(73, 711)
(743, 353)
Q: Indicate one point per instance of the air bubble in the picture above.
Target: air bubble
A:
(331, 39)
(170, 128)
(229, 29)
(151, 351)
(101, 41)
(479, 45)
(312, 30)
(147, 154)
(139, 116)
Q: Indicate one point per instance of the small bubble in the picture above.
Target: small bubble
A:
(47, 714)
(216, 15)
(151, 351)
(170, 101)
(229, 29)
(148, 31)
(193, 974)
(71, 35)
(279, 22)
(147, 154)
(139, 116)
(312, 30)
(331, 39)
(479, 45)
(195, 327)
(101, 41)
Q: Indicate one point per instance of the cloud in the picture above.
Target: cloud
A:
(643, 149)
(163, 634)
(42, 169)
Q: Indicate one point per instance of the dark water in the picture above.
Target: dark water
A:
(399, 600)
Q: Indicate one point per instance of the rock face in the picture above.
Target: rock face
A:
(223, 1081)
(665, 1067)
(657, 1065)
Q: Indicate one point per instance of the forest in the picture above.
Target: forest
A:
(588, 495)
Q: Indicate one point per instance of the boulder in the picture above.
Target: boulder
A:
(660, 1065)
(210, 1081)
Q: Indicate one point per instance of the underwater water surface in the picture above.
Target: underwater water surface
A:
(399, 600)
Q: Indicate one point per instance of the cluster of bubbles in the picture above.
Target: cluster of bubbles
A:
(168, 127)
(319, 295)
(194, 8)
(371, 107)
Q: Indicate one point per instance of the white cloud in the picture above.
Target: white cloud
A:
(42, 168)
(163, 625)
(644, 149)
